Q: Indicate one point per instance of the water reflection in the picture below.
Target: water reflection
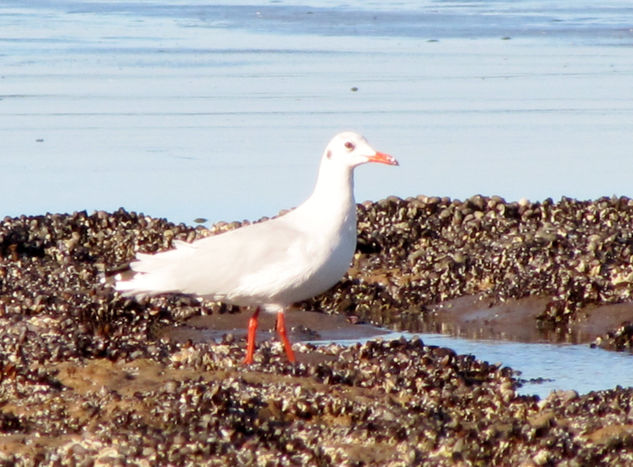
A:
(544, 367)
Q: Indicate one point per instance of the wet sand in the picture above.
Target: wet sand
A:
(514, 319)
(303, 326)
(473, 317)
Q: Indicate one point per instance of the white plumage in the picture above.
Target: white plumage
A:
(274, 263)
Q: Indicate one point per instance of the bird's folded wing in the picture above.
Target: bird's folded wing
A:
(217, 266)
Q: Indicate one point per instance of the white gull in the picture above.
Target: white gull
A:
(275, 263)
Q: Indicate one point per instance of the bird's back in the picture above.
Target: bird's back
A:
(275, 261)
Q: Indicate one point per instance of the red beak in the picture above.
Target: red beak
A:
(383, 159)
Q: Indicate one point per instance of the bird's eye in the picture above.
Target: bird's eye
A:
(349, 145)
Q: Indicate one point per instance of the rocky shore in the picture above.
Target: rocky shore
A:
(90, 378)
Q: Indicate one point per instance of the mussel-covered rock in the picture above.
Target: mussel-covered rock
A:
(86, 376)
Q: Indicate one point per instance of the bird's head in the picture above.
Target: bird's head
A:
(351, 149)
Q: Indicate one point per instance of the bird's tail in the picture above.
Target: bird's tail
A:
(152, 275)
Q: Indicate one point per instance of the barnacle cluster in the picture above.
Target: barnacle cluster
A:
(380, 403)
(86, 378)
(421, 251)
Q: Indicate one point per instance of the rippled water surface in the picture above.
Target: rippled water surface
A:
(182, 109)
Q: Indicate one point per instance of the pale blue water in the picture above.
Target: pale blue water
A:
(182, 109)
(544, 367)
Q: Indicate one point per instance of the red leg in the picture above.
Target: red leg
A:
(281, 330)
(252, 330)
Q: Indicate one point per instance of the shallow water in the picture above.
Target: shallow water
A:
(552, 366)
(543, 367)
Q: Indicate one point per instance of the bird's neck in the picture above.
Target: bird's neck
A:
(335, 182)
(333, 195)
